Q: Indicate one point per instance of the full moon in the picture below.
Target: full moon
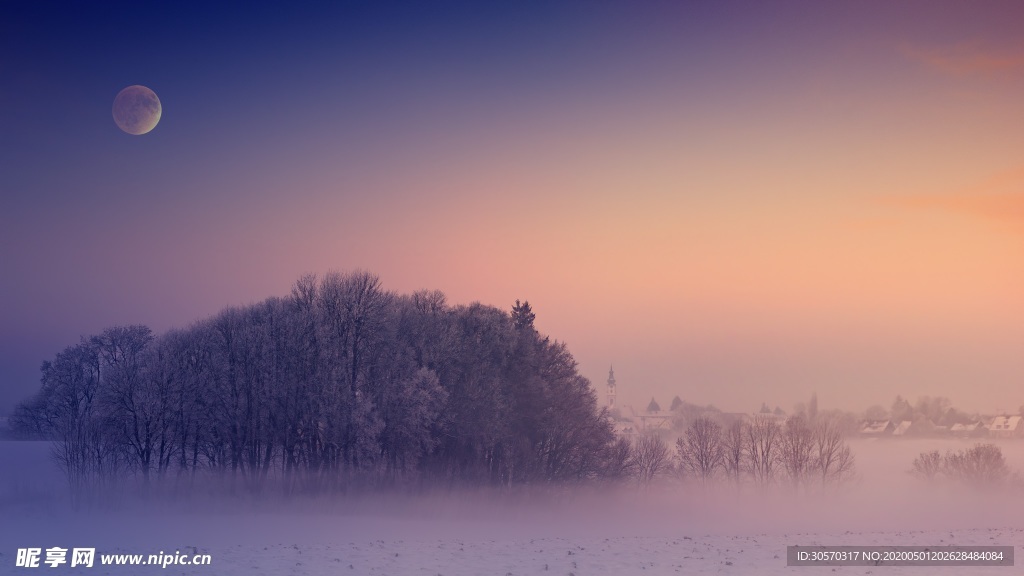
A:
(137, 110)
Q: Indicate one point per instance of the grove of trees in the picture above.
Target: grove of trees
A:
(766, 451)
(339, 384)
(763, 452)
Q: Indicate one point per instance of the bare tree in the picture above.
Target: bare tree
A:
(69, 411)
(797, 445)
(700, 450)
(353, 310)
(734, 451)
(160, 390)
(763, 448)
(832, 458)
(618, 461)
(135, 399)
(650, 458)
(190, 357)
(32, 420)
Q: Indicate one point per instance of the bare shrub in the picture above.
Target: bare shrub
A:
(927, 466)
(982, 466)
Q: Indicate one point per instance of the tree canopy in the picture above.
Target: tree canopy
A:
(339, 382)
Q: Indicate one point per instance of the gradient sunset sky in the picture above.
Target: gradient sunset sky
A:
(733, 202)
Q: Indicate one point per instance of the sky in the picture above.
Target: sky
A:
(735, 203)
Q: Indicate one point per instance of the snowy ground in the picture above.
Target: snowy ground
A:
(758, 554)
(691, 553)
(661, 531)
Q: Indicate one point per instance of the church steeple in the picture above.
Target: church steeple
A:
(611, 387)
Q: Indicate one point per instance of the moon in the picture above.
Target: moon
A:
(137, 110)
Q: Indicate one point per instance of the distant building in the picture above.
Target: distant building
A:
(1007, 427)
(624, 420)
(877, 428)
(903, 428)
(654, 421)
(654, 418)
(779, 419)
(919, 427)
(625, 428)
(968, 430)
(728, 418)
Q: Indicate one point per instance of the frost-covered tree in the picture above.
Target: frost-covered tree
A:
(69, 410)
(338, 383)
(135, 392)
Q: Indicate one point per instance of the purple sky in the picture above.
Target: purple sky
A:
(734, 203)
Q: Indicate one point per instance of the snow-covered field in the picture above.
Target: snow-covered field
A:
(757, 554)
(664, 530)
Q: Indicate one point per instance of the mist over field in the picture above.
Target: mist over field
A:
(470, 531)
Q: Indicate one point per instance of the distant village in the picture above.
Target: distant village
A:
(985, 427)
(927, 418)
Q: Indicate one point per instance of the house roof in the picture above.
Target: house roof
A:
(655, 421)
(624, 428)
(1006, 423)
(902, 428)
(876, 426)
